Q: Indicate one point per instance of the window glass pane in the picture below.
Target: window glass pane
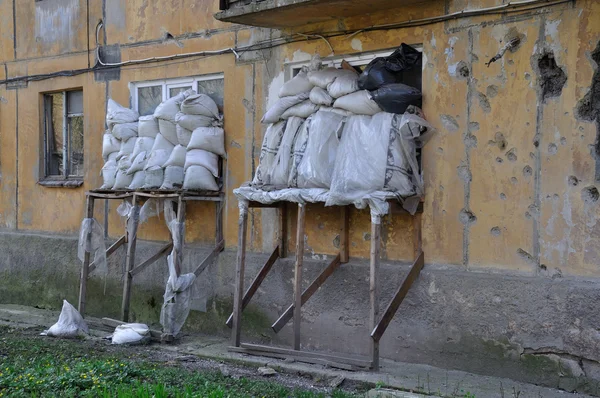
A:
(75, 102)
(176, 90)
(75, 135)
(215, 89)
(54, 114)
(148, 99)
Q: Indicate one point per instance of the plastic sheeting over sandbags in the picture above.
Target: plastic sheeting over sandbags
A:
(274, 113)
(210, 139)
(168, 109)
(268, 152)
(359, 103)
(174, 176)
(298, 85)
(281, 165)
(200, 157)
(183, 136)
(168, 130)
(148, 126)
(320, 96)
(200, 104)
(110, 144)
(396, 98)
(125, 131)
(70, 324)
(387, 70)
(177, 157)
(117, 114)
(343, 85)
(303, 110)
(199, 178)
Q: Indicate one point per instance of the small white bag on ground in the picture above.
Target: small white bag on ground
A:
(168, 109)
(148, 126)
(298, 85)
(154, 177)
(343, 85)
(210, 139)
(142, 144)
(359, 103)
(168, 130)
(200, 157)
(192, 122)
(125, 131)
(324, 77)
(177, 157)
(70, 324)
(320, 96)
(268, 152)
(303, 110)
(200, 104)
(273, 115)
(173, 177)
(199, 178)
(139, 178)
(280, 167)
(116, 114)
(126, 148)
(183, 135)
(131, 333)
(110, 144)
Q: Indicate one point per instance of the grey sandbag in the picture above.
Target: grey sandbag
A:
(388, 70)
(397, 97)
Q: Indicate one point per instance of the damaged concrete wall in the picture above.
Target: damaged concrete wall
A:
(511, 176)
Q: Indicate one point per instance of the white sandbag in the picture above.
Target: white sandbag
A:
(210, 139)
(160, 142)
(280, 168)
(113, 156)
(117, 114)
(148, 126)
(139, 177)
(273, 115)
(324, 77)
(157, 158)
(268, 152)
(70, 324)
(339, 111)
(138, 163)
(154, 177)
(168, 109)
(200, 157)
(168, 130)
(303, 110)
(299, 84)
(131, 333)
(320, 96)
(343, 85)
(359, 103)
(110, 144)
(126, 147)
(177, 157)
(200, 104)
(124, 163)
(199, 178)
(142, 144)
(125, 131)
(122, 180)
(192, 122)
(109, 173)
(173, 177)
(315, 167)
(183, 135)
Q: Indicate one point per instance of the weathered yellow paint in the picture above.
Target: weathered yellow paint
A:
(499, 195)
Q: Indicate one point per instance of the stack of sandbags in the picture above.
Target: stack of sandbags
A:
(118, 145)
(201, 142)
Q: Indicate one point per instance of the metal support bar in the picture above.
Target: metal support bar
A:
(260, 277)
(164, 250)
(307, 294)
(120, 242)
(86, 259)
(298, 275)
(208, 260)
(130, 259)
(239, 277)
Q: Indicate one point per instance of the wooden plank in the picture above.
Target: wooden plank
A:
(298, 275)
(283, 219)
(307, 294)
(374, 286)
(316, 361)
(164, 250)
(345, 234)
(208, 260)
(120, 242)
(178, 242)
(130, 259)
(253, 288)
(154, 334)
(417, 235)
(360, 362)
(239, 276)
(86, 259)
(219, 222)
(389, 313)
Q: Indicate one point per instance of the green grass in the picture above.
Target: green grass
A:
(44, 367)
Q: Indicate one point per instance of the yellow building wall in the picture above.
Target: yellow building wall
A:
(484, 208)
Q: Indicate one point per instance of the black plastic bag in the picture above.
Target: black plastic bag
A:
(396, 97)
(388, 70)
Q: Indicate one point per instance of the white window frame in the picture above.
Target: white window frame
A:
(167, 84)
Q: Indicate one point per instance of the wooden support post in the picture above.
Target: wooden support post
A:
(239, 274)
(345, 234)
(374, 285)
(283, 217)
(307, 294)
(130, 259)
(298, 275)
(219, 222)
(178, 241)
(86, 258)
(253, 288)
(417, 235)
